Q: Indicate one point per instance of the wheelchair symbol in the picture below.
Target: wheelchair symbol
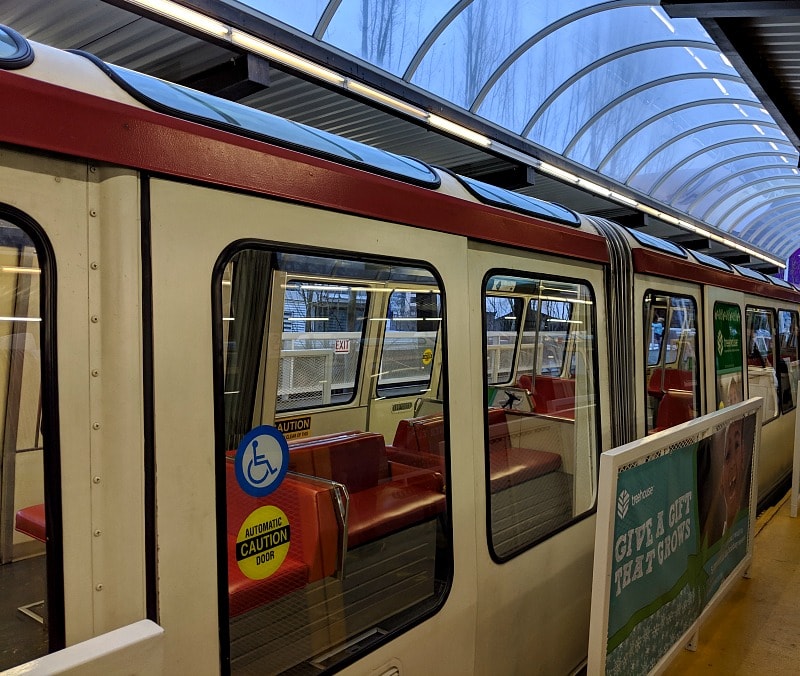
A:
(261, 461)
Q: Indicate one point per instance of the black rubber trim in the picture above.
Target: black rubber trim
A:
(23, 57)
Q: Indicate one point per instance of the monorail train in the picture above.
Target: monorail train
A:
(311, 406)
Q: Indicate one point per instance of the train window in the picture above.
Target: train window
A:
(657, 243)
(411, 329)
(541, 436)
(711, 261)
(323, 324)
(749, 272)
(240, 119)
(728, 354)
(26, 473)
(336, 534)
(788, 360)
(502, 316)
(490, 194)
(671, 377)
(15, 51)
(762, 380)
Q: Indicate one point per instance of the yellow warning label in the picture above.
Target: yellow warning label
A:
(295, 428)
(427, 356)
(263, 542)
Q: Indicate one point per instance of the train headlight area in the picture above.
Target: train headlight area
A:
(271, 405)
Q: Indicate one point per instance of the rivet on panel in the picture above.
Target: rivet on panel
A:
(95, 319)
(99, 587)
(95, 373)
(97, 533)
(95, 479)
(93, 212)
(96, 426)
(93, 169)
(94, 265)
(58, 179)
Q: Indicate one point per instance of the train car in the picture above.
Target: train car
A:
(314, 407)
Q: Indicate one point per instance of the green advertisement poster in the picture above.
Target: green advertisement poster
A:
(652, 596)
(681, 526)
(728, 353)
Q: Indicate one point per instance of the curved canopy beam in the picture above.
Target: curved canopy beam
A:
(685, 134)
(748, 212)
(325, 19)
(638, 90)
(433, 36)
(753, 229)
(667, 175)
(791, 210)
(721, 163)
(729, 177)
(541, 35)
(723, 199)
(608, 58)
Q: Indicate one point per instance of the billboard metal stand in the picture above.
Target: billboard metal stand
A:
(675, 531)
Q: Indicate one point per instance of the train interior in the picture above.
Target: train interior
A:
(350, 367)
(346, 359)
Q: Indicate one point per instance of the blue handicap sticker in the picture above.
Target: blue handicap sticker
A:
(261, 461)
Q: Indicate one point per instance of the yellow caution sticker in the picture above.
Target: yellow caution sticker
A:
(427, 356)
(263, 542)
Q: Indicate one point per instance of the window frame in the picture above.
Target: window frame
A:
(662, 362)
(437, 603)
(774, 332)
(595, 427)
(50, 421)
(796, 323)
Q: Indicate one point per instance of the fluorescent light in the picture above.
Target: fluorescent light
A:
(555, 172)
(307, 319)
(20, 319)
(406, 319)
(21, 270)
(622, 198)
(184, 15)
(558, 299)
(386, 99)
(696, 58)
(663, 19)
(457, 130)
(593, 187)
(740, 109)
(785, 161)
(758, 129)
(773, 145)
(270, 51)
(720, 86)
(725, 60)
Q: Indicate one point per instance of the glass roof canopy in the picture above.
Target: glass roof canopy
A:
(615, 86)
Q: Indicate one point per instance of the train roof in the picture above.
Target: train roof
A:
(107, 113)
(653, 255)
(225, 144)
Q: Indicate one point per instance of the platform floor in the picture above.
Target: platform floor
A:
(756, 628)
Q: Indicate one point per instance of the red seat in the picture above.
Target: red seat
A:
(676, 406)
(420, 442)
(31, 522)
(554, 396)
(385, 496)
(313, 551)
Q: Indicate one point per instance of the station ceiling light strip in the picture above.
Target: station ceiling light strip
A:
(210, 26)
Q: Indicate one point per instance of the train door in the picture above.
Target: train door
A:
(770, 347)
(724, 343)
(668, 366)
(71, 517)
(298, 529)
(537, 438)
